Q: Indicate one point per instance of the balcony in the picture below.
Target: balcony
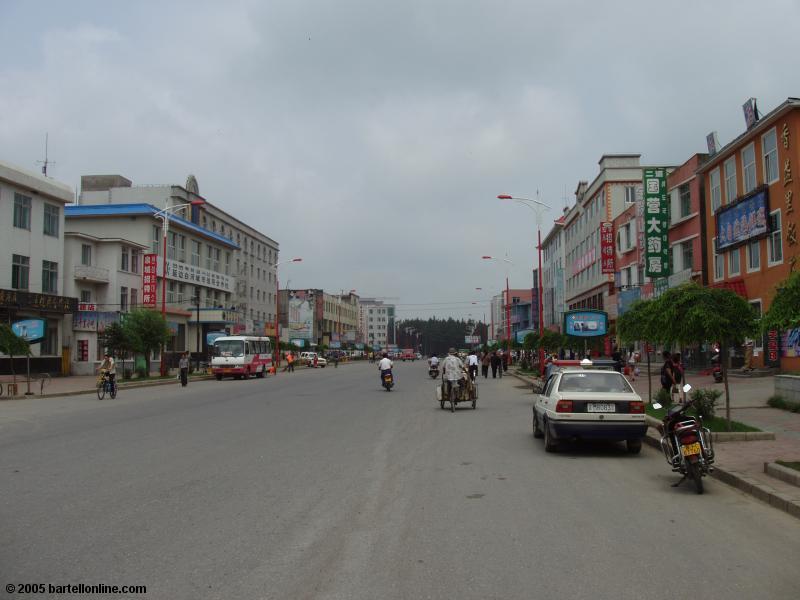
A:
(90, 273)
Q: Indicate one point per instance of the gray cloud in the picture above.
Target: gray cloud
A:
(372, 138)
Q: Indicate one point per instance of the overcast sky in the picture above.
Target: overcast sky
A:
(371, 138)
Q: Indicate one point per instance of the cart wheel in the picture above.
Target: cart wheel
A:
(474, 403)
(442, 404)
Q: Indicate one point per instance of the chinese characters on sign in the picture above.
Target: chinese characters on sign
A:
(196, 275)
(791, 226)
(149, 280)
(655, 223)
(607, 256)
(773, 348)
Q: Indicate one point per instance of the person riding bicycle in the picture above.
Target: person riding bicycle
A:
(452, 370)
(108, 367)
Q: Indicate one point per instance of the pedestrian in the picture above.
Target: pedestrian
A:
(495, 362)
(316, 360)
(183, 365)
(632, 368)
(506, 360)
(290, 362)
(667, 376)
(678, 376)
(617, 357)
(472, 365)
(485, 361)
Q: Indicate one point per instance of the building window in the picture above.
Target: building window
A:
(20, 272)
(754, 256)
(86, 254)
(685, 200)
(83, 351)
(227, 263)
(172, 245)
(182, 248)
(123, 298)
(196, 246)
(734, 267)
(134, 260)
(217, 254)
(49, 277)
(86, 296)
(155, 242)
(730, 180)
(22, 211)
(749, 168)
(49, 345)
(125, 263)
(769, 148)
(209, 254)
(719, 263)
(775, 242)
(687, 254)
(51, 218)
(181, 293)
(172, 287)
(630, 194)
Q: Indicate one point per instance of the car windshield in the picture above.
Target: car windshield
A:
(594, 382)
(229, 348)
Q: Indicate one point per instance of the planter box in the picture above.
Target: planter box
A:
(788, 386)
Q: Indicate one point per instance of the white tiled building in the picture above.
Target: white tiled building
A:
(377, 322)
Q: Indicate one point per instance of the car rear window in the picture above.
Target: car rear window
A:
(594, 382)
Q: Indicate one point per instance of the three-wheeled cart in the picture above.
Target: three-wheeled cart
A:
(465, 390)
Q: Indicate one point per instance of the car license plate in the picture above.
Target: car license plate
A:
(604, 407)
(690, 449)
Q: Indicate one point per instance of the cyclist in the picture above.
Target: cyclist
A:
(109, 367)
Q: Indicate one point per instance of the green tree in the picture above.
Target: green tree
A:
(115, 338)
(691, 314)
(550, 341)
(146, 331)
(12, 345)
(638, 324)
(784, 312)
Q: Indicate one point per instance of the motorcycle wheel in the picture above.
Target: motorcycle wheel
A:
(697, 476)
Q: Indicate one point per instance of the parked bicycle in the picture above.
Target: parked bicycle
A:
(106, 384)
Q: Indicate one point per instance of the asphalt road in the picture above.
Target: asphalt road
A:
(319, 484)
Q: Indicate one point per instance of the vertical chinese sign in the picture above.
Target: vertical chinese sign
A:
(149, 280)
(791, 219)
(607, 257)
(656, 210)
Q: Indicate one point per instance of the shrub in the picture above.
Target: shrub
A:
(778, 401)
(705, 401)
(127, 374)
(141, 372)
(664, 398)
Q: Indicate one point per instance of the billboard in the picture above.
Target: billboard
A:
(656, 213)
(301, 315)
(472, 339)
(743, 221)
(149, 280)
(586, 323)
(30, 330)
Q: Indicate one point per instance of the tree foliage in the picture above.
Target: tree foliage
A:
(438, 335)
(145, 330)
(550, 341)
(12, 345)
(116, 339)
(784, 312)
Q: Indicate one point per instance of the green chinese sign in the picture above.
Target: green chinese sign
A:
(656, 223)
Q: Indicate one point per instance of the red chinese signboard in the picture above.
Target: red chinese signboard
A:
(773, 349)
(607, 257)
(150, 280)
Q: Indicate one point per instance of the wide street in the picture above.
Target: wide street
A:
(319, 484)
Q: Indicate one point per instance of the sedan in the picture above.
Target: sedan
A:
(579, 403)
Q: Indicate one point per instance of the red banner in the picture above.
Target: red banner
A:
(607, 255)
(150, 280)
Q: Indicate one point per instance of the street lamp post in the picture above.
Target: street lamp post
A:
(536, 206)
(163, 214)
(507, 302)
(277, 312)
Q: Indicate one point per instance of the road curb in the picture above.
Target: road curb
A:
(124, 386)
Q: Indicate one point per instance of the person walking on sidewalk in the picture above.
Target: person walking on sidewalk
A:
(290, 362)
(678, 376)
(472, 365)
(495, 362)
(667, 375)
(183, 365)
(485, 362)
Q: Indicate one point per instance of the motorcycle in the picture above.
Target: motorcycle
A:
(387, 380)
(716, 370)
(686, 444)
(434, 372)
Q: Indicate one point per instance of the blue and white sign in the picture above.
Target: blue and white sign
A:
(30, 330)
(742, 221)
(212, 336)
(586, 323)
(299, 342)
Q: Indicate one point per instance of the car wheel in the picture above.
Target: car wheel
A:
(550, 444)
(634, 446)
(537, 431)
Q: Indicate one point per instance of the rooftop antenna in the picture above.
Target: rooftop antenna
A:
(45, 162)
(565, 199)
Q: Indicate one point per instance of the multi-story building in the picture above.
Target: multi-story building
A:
(126, 239)
(686, 223)
(377, 321)
(519, 306)
(751, 221)
(252, 260)
(341, 316)
(553, 261)
(32, 274)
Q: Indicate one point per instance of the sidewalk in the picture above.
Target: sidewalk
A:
(81, 384)
(741, 464)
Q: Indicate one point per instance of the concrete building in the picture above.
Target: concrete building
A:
(553, 262)
(342, 318)
(251, 263)
(522, 312)
(751, 219)
(33, 272)
(126, 239)
(377, 321)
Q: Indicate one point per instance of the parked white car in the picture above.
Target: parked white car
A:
(307, 358)
(585, 403)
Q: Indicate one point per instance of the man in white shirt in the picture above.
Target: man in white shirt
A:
(452, 368)
(472, 365)
(433, 361)
(385, 364)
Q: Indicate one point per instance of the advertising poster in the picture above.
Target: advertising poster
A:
(149, 279)
(30, 330)
(586, 323)
(742, 222)
(656, 213)
(607, 253)
(301, 315)
(791, 343)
